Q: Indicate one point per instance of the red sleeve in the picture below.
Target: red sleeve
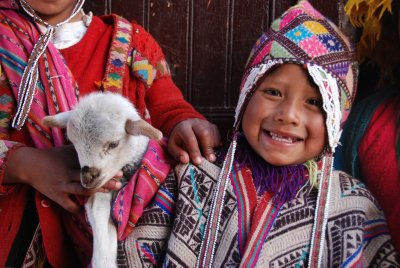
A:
(167, 106)
(377, 152)
(164, 100)
(7, 148)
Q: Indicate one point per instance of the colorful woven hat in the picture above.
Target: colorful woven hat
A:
(302, 36)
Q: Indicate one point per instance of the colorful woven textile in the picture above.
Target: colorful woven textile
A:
(277, 236)
(55, 93)
(146, 245)
(116, 63)
(130, 201)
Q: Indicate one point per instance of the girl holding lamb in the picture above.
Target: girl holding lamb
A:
(44, 69)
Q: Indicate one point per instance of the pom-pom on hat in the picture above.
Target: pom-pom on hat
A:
(301, 36)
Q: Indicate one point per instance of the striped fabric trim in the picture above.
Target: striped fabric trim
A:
(141, 188)
(165, 201)
(246, 195)
(375, 228)
(116, 62)
(263, 219)
(148, 253)
(17, 37)
(208, 244)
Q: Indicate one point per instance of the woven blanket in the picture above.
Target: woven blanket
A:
(254, 232)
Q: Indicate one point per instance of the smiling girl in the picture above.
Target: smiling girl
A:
(274, 200)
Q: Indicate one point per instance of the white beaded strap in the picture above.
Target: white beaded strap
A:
(26, 90)
(321, 214)
(209, 241)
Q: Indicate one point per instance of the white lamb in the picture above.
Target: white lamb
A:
(108, 135)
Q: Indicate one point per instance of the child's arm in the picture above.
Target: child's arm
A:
(190, 134)
(53, 172)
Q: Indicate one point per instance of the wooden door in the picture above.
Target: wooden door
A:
(207, 42)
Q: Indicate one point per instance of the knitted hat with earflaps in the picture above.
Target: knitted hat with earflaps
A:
(301, 36)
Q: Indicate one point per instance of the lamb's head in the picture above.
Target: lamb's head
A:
(107, 133)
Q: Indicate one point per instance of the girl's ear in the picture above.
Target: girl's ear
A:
(59, 120)
(141, 127)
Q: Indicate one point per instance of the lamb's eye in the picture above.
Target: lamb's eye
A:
(112, 145)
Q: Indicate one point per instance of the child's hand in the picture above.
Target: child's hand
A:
(54, 172)
(186, 137)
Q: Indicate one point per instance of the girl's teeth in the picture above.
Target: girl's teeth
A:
(280, 138)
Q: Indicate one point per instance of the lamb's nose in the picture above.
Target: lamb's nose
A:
(85, 169)
(89, 175)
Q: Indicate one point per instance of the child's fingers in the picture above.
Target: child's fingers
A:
(113, 185)
(119, 175)
(178, 153)
(182, 144)
(192, 147)
(208, 138)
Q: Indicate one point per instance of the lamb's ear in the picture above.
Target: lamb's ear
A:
(59, 120)
(141, 127)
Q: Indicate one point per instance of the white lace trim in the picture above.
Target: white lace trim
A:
(329, 90)
(255, 74)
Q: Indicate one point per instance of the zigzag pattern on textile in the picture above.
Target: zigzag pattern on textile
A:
(145, 71)
(118, 56)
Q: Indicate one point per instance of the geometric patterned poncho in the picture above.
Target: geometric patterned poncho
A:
(302, 36)
(253, 231)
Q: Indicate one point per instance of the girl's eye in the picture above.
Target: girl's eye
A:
(315, 102)
(272, 92)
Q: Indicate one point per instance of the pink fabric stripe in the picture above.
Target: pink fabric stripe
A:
(130, 202)
(263, 219)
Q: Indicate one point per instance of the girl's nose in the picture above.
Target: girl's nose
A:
(288, 112)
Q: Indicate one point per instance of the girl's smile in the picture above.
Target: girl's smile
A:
(280, 137)
(284, 121)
